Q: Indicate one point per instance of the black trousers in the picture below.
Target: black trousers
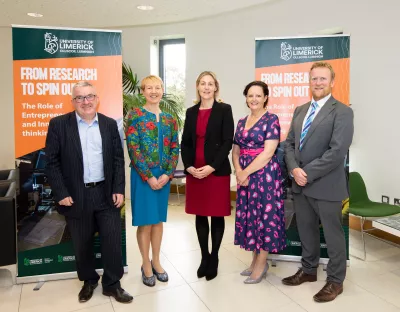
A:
(99, 216)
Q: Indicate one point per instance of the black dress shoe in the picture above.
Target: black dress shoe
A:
(212, 269)
(86, 292)
(119, 294)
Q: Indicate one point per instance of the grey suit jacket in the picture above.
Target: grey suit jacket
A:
(324, 150)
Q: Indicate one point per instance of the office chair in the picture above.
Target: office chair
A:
(7, 223)
(362, 207)
(179, 179)
(8, 175)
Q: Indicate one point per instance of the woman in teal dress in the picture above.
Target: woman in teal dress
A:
(152, 139)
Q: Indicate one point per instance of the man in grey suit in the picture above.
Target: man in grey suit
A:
(320, 135)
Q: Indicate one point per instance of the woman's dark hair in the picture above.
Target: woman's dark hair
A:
(258, 83)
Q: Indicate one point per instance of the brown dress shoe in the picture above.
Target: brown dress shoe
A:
(329, 292)
(299, 278)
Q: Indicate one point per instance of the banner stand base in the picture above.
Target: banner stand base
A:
(274, 258)
(41, 279)
(38, 286)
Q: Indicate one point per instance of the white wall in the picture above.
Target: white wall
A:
(7, 159)
(225, 45)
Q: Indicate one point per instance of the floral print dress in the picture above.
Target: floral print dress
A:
(260, 218)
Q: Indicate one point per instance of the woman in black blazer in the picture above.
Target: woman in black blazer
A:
(206, 142)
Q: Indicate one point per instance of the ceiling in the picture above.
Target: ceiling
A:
(113, 13)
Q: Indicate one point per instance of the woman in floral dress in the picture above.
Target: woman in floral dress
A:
(260, 219)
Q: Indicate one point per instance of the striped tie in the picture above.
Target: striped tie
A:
(307, 125)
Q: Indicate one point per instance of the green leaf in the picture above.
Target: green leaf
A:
(132, 98)
(130, 81)
(131, 101)
(169, 104)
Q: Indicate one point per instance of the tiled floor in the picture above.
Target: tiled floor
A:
(370, 286)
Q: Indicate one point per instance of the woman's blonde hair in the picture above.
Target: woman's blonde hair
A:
(151, 79)
(207, 73)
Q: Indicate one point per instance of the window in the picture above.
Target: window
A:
(172, 66)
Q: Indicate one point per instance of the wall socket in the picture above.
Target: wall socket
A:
(385, 199)
(397, 201)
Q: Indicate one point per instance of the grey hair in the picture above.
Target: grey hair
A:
(81, 84)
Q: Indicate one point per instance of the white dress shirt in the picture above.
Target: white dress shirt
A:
(320, 103)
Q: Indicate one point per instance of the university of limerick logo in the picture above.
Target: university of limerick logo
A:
(286, 51)
(50, 43)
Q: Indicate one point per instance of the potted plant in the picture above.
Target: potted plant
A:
(133, 98)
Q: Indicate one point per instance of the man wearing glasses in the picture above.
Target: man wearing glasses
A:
(85, 169)
(317, 143)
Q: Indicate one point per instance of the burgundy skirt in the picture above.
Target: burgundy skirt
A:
(209, 196)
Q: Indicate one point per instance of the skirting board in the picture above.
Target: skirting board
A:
(54, 277)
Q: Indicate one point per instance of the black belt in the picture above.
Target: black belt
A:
(93, 184)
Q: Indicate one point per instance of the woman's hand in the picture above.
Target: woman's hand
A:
(154, 184)
(242, 178)
(162, 180)
(205, 171)
(246, 183)
(193, 171)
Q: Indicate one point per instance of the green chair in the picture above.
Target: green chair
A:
(362, 207)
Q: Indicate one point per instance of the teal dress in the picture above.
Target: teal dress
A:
(149, 206)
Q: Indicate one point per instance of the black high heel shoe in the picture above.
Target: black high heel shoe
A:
(202, 270)
(212, 270)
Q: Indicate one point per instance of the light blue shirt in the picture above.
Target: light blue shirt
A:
(92, 150)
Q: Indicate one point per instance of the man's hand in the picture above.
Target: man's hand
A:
(162, 180)
(205, 171)
(300, 176)
(67, 201)
(118, 200)
(153, 182)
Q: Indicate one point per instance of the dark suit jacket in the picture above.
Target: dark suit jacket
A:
(64, 167)
(324, 150)
(218, 140)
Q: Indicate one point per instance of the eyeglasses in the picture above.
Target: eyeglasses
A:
(81, 99)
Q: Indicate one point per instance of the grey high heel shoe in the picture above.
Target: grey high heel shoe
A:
(249, 280)
(246, 272)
